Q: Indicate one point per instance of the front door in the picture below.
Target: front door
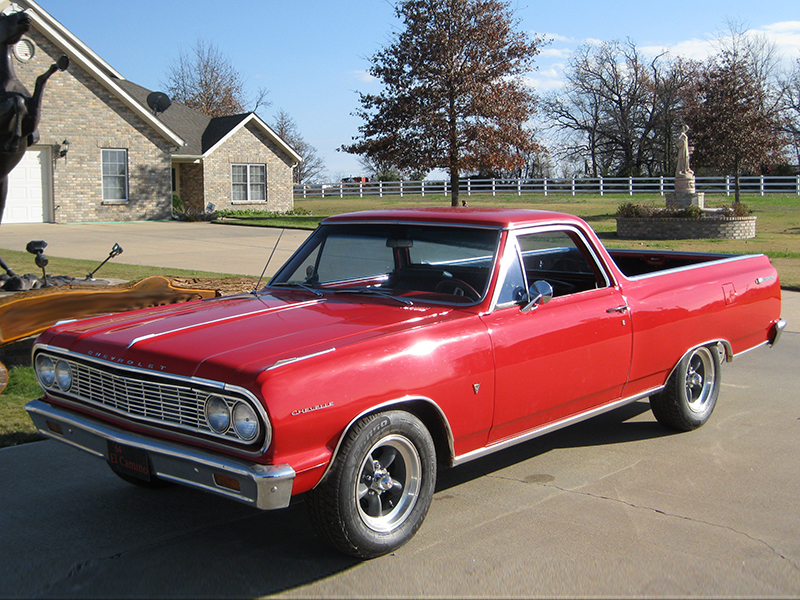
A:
(564, 357)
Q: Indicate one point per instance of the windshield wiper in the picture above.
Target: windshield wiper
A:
(297, 284)
(371, 291)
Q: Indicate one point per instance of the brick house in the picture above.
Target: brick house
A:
(103, 155)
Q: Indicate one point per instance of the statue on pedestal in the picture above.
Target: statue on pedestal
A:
(19, 109)
(683, 153)
(685, 193)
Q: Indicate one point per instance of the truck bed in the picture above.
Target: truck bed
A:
(633, 263)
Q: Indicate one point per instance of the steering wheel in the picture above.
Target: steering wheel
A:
(457, 287)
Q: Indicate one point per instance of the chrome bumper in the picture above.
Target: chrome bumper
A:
(777, 330)
(263, 486)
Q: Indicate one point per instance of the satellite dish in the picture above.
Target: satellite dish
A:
(159, 102)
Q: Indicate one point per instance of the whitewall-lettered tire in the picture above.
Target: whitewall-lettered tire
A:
(380, 486)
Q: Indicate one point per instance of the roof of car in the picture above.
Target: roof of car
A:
(496, 217)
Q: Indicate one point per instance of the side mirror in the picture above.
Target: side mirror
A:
(541, 292)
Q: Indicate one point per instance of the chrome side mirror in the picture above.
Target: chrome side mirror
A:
(541, 292)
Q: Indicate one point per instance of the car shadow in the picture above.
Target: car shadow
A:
(191, 544)
(613, 427)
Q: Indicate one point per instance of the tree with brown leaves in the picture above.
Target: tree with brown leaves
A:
(453, 96)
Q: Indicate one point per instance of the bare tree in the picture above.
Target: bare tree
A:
(205, 80)
(616, 109)
(312, 165)
(791, 108)
(453, 95)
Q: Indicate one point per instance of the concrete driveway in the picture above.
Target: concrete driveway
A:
(615, 506)
(176, 244)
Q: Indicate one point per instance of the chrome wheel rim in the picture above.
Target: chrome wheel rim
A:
(700, 376)
(388, 483)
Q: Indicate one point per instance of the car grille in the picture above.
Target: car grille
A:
(170, 403)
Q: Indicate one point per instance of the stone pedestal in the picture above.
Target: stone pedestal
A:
(685, 193)
(684, 199)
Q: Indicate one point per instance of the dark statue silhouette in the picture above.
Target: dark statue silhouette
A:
(19, 110)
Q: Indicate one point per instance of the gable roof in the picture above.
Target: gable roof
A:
(195, 134)
(204, 134)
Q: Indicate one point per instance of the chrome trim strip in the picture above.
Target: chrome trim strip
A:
(550, 427)
(263, 486)
(725, 258)
(167, 377)
(150, 336)
(287, 361)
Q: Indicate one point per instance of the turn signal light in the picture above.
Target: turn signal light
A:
(230, 483)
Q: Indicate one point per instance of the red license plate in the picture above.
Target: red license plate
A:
(129, 460)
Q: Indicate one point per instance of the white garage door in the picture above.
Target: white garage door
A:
(29, 188)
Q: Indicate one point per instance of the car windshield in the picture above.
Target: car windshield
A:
(412, 262)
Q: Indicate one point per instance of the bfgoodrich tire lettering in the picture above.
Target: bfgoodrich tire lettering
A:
(379, 488)
(691, 392)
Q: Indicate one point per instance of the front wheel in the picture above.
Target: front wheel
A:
(691, 392)
(379, 488)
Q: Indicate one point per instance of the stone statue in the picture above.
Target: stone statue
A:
(19, 110)
(683, 153)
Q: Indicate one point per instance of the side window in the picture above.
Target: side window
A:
(561, 259)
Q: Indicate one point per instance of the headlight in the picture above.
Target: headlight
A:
(218, 414)
(245, 422)
(45, 370)
(63, 376)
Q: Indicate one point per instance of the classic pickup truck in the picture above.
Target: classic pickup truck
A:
(391, 344)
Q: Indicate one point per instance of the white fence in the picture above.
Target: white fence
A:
(759, 184)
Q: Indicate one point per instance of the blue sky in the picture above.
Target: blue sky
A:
(312, 55)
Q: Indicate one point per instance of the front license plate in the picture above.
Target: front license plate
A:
(129, 460)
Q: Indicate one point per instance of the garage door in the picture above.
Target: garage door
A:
(29, 188)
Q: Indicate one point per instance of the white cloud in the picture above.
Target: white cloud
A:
(557, 37)
(555, 53)
(363, 76)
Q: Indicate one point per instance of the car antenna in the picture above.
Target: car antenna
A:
(275, 247)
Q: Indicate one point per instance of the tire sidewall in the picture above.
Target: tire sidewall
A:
(695, 418)
(368, 542)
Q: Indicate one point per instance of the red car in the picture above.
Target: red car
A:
(395, 343)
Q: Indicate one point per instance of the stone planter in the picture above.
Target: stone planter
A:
(672, 228)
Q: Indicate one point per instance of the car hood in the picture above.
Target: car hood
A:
(211, 338)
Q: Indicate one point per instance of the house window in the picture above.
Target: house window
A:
(249, 183)
(115, 175)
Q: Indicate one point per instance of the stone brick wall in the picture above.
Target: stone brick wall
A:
(191, 191)
(248, 145)
(733, 228)
(79, 109)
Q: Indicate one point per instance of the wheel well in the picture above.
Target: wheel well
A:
(427, 412)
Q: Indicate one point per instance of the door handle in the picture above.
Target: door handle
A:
(618, 309)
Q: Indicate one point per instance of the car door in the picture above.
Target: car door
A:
(566, 356)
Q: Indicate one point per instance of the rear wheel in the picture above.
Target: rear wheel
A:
(691, 392)
(379, 488)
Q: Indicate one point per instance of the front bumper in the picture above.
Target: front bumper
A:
(263, 486)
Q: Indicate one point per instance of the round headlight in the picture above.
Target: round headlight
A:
(63, 375)
(218, 414)
(245, 421)
(45, 370)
